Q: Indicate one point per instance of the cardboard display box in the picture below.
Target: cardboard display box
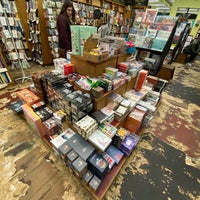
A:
(85, 67)
(166, 72)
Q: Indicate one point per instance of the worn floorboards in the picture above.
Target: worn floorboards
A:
(165, 164)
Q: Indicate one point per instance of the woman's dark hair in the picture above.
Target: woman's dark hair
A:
(66, 5)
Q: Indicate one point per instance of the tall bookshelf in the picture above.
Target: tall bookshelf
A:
(12, 37)
(5, 77)
(31, 14)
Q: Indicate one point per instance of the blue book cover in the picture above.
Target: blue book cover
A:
(115, 153)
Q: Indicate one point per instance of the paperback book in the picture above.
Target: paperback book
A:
(150, 16)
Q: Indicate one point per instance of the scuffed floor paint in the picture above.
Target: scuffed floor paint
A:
(165, 164)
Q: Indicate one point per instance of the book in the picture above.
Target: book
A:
(110, 160)
(80, 166)
(139, 14)
(143, 54)
(159, 43)
(150, 16)
(163, 34)
(133, 30)
(87, 176)
(100, 140)
(151, 33)
(166, 19)
(139, 41)
(147, 42)
(129, 143)
(132, 37)
(141, 32)
(98, 165)
(16, 106)
(115, 153)
(94, 183)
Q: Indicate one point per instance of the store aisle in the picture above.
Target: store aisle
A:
(165, 164)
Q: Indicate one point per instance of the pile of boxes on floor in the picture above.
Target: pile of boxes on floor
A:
(97, 145)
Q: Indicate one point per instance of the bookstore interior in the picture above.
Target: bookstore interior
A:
(90, 109)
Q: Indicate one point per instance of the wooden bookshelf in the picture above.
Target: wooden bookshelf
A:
(21, 11)
(46, 56)
(6, 70)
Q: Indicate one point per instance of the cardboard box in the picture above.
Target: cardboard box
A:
(95, 58)
(166, 72)
(85, 67)
(33, 119)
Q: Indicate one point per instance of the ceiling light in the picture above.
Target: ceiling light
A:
(154, 1)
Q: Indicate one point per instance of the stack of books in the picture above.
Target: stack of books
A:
(120, 136)
(86, 126)
(99, 116)
(100, 140)
(109, 112)
(108, 129)
(129, 143)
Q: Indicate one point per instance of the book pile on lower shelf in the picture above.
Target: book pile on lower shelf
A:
(95, 144)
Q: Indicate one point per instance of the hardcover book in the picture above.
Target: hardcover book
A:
(81, 146)
(100, 140)
(115, 153)
(99, 116)
(129, 143)
(71, 156)
(64, 149)
(87, 176)
(110, 160)
(79, 166)
(94, 183)
(98, 165)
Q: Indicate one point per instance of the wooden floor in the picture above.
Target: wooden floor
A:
(31, 171)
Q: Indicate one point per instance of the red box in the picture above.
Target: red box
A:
(68, 68)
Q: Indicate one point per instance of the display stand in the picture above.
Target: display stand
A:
(183, 36)
(24, 77)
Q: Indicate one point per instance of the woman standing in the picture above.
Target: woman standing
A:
(64, 20)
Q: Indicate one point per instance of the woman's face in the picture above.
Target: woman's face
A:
(69, 11)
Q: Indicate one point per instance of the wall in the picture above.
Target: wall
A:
(187, 4)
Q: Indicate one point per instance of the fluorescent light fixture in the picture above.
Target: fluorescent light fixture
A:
(194, 10)
(161, 8)
(182, 10)
(154, 1)
(158, 4)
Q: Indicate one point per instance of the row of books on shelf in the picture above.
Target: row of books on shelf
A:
(8, 7)
(5, 77)
(157, 43)
(31, 4)
(150, 16)
(52, 10)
